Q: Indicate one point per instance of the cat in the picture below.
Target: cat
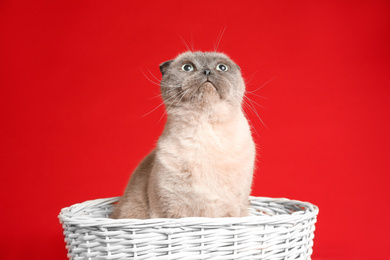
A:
(204, 160)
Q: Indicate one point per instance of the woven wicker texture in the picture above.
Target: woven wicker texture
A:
(277, 229)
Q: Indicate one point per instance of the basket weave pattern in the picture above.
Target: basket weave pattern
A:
(276, 229)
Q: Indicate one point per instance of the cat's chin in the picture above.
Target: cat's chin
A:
(208, 92)
(208, 87)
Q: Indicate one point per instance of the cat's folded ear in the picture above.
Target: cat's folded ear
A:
(164, 66)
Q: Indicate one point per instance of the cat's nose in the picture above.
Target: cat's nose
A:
(207, 72)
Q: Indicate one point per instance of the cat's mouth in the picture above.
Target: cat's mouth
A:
(208, 85)
(209, 91)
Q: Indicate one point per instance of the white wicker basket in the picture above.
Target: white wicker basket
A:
(277, 229)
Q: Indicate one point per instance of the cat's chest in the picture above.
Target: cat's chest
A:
(206, 147)
(207, 141)
(208, 159)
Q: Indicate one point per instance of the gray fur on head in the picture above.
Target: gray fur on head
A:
(207, 79)
(164, 66)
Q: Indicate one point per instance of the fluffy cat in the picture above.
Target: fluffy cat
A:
(204, 160)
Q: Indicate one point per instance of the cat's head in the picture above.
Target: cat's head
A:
(201, 80)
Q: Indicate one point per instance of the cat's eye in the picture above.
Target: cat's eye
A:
(222, 67)
(187, 67)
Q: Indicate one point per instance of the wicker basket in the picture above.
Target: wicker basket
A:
(276, 229)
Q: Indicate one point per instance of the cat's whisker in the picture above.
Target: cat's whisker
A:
(185, 92)
(167, 109)
(252, 108)
(158, 83)
(256, 95)
(255, 102)
(155, 83)
(262, 85)
(254, 111)
(192, 43)
(219, 39)
(188, 47)
(167, 91)
(155, 96)
(251, 77)
(158, 80)
(161, 104)
(246, 115)
(250, 121)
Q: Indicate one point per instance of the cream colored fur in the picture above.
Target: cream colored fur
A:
(203, 163)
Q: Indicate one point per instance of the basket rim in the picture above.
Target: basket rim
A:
(68, 217)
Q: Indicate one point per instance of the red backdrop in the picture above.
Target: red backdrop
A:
(73, 95)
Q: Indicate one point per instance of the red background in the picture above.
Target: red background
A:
(73, 95)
